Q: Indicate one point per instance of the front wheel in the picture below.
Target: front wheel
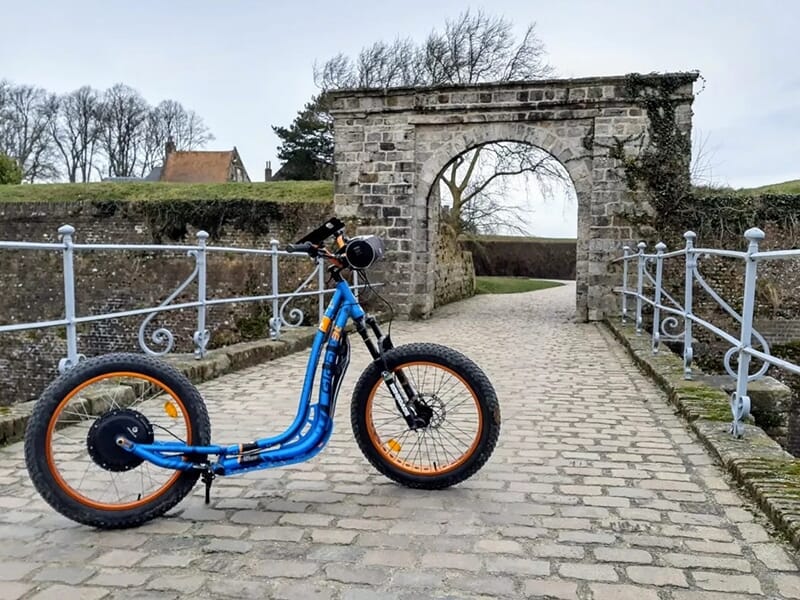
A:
(458, 407)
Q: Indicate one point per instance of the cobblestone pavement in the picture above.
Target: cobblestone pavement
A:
(596, 491)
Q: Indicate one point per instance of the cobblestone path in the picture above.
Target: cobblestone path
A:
(596, 491)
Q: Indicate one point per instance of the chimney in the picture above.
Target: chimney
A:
(268, 171)
(169, 147)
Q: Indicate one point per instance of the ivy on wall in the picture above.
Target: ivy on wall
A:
(170, 220)
(661, 167)
(722, 218)
(661, 170)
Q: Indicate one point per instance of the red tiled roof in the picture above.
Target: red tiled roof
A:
(197, 167)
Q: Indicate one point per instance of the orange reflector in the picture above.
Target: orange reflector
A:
(170, 409)
(394, 445)
(325, 324)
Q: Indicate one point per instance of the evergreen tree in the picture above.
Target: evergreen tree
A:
(307, 144)
(10, 173)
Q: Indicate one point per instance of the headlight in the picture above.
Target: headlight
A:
(362, 251)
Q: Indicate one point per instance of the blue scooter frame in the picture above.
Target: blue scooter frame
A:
(312, 426)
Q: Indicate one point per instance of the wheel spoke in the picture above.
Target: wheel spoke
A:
(82, 448)
(454, 439)
(86, 470)
(114, 482)
(444, 448)
(450, 436)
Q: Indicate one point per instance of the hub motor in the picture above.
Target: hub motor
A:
(102, 439)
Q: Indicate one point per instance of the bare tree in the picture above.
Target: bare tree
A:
(26, 115)
(76, 130)
(185, 127)
(702, 166)
(123, 116)
(335, 73)
(116, 132)
(5, 91)
(478, 47)
(477, 184)
(152, 143)
(171, 121)
(475, 47)
(5, 87)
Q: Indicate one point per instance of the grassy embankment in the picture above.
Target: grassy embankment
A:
(511, 285)
(786, 187)
(276, 191)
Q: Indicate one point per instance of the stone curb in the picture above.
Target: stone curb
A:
(768, 473)
(240, 356)
(14, 419)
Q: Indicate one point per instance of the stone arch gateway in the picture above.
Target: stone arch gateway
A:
(391, 145)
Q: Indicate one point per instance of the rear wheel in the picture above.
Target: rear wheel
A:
(456, 402)
(70, 443)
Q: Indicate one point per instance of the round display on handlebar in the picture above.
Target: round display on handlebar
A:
(363, 251)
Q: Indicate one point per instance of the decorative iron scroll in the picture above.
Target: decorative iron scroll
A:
(296, 315)
(163, 336)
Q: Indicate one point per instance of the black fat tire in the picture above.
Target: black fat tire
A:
(36, 439)
(474, 377)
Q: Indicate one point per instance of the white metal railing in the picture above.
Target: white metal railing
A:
(162, 336)
(667, 328)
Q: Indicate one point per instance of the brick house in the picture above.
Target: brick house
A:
(200, 166)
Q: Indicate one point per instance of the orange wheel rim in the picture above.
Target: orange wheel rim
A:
(388, 448)
(51, 427)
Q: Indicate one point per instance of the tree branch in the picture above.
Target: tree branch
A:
(470, 170)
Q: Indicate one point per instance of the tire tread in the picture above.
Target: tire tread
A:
(459, 363)
(36, 433)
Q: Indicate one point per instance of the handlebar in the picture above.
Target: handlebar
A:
(306, 247)
(356, 253)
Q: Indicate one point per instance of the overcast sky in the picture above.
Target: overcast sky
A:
(246, 64)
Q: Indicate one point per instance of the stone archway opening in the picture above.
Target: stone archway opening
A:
(507, 188)
(391, 145)
(552, 139)
(512, 206)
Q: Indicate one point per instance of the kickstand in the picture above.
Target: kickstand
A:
(208, 477)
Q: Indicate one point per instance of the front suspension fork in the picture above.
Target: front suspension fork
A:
(391, 379)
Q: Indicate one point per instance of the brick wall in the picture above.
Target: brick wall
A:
(523, 257)
(779, 331)
(31, 282)
(777, 300)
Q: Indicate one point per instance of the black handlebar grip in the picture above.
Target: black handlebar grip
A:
(304, 247)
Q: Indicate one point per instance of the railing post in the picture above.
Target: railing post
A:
(660, 247)
(639, 287)
(201, 335)
(691, 264)
(65, 232)
(740, 402)
(321, 283)
(626, 250)
(275, 321)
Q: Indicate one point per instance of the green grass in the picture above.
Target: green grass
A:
(515, 238)
(787, 187)
(281, 191)
(511, 285)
